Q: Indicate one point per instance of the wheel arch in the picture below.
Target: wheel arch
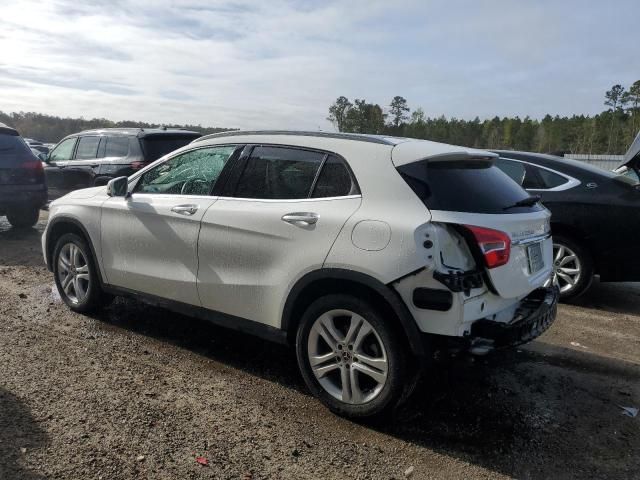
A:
(62, 225)
(578, 236)
(332, 280)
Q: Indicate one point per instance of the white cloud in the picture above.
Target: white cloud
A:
(279, 64)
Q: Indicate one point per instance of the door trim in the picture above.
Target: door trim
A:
(231, 322)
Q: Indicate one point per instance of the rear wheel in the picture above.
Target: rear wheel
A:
(76, 275)
(572, 267)
(350, 358)
(23, 217)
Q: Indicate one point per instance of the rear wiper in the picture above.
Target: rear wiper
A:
(525, 202)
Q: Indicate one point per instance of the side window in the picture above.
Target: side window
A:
(63, 151)
(117, 147)
(550, 179)
(515, 170)
(87, 148)
(279, 173)
(190, 173)
(334, 180)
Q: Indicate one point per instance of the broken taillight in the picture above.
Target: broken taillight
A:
(495, 245)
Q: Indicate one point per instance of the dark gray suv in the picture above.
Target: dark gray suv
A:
(93, 157)
(22, 187)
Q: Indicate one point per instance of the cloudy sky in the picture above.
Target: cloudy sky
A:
(279, 64)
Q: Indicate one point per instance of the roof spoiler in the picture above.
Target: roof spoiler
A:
(8, 130)
(460, 156)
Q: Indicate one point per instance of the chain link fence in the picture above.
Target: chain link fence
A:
(606, 162)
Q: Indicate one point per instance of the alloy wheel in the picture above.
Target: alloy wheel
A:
(347, 356)
(567, 268)
(73, 273)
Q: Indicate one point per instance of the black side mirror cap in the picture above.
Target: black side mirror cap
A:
(118, 187)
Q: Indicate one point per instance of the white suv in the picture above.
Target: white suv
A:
(368, 253)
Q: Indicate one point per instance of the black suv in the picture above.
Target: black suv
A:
(22, 186)
(93, 157)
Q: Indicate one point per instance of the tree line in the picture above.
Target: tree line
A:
(609, 132)
(51, 129)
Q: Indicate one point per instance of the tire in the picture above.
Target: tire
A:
(564, 248)
(83, 293)
(364, 396)
(23, 217)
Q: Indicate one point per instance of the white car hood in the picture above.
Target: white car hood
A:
(86, 193)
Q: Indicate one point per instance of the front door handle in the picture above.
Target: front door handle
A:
(302, 218)
(185, 209)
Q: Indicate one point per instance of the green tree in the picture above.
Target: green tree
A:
(613, 99)
(398, 109)
(631, 102)
(364, 117)
(338, 113)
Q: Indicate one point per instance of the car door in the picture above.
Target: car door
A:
(55, 165)
(149, 239)
(80, 171)
(278, 223)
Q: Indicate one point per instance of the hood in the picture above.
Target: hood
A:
(633, 154)
(86, 192)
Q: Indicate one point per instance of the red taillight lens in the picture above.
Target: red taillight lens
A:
(137, 165)
(494, 245)
(35, 169)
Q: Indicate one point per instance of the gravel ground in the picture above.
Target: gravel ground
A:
(139, 392)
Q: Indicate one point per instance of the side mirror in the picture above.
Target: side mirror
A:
(118, 187)
(44, 157)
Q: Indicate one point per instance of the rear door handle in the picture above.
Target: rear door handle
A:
(185, 209)
(303, 218)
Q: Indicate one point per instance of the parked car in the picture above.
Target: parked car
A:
(595, 217)
(22, 185)
(367, 253)
(94, 157)
(37, 147)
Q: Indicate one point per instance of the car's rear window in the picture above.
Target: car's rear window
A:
(156, 146)
(13, 149)
(475, 186)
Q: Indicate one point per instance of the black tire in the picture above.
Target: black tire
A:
(23, 217)
(95, 298)
(396, 351)
(586, 266)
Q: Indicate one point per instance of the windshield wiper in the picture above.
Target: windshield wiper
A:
(525, 202)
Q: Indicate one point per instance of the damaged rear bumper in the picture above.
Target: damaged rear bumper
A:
(532, 318)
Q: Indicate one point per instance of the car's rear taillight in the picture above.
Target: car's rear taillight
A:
(137, 165)
(495, 245)
(34, 171)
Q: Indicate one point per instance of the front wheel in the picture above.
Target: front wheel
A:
(572, 267)
(76, 275)
(350, 357)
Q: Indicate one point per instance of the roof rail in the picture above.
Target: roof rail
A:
(360, 137)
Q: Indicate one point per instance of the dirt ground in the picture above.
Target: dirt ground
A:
(139, 392)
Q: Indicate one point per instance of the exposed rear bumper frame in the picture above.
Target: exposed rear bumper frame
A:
(535, 314)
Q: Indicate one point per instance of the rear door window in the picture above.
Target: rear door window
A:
(334, 180)
(87, 148)
(279, 173)
(530, 176)
(475, 186)
(116, 147)
(550, 179)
